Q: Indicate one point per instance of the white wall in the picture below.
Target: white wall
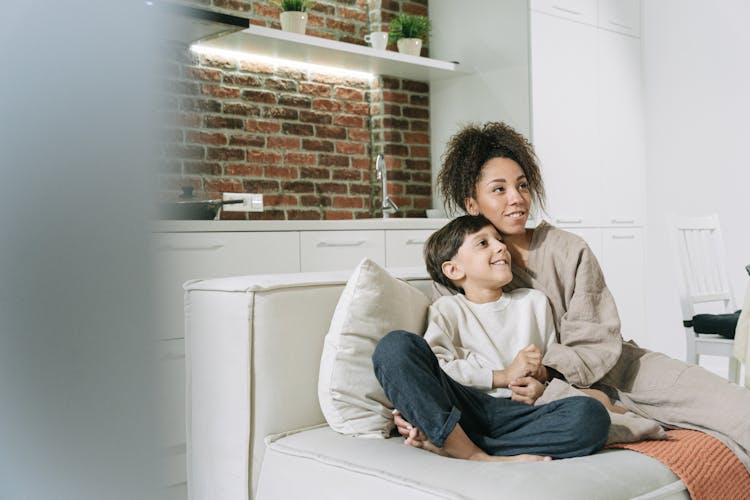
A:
(697, 81)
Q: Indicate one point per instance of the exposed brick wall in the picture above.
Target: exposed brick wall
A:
(382, 11)
(305, 140)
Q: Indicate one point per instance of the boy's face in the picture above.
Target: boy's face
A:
(482, 261)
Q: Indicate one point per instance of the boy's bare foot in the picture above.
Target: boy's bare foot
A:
(515, 458)
(464, 450)
(426, 444)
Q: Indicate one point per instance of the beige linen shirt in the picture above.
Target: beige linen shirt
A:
(563, 267)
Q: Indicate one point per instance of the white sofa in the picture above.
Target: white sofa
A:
(255, 427)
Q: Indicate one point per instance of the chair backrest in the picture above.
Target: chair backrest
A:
(700, 256)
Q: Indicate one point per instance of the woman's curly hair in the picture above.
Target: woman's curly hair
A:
(470, 148)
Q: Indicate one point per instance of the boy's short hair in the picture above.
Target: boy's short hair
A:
(444, 243)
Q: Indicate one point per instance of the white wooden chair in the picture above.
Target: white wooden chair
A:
(703, 280)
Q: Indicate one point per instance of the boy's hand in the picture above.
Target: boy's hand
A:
(527, 362)
(526, 390)
(413, 435)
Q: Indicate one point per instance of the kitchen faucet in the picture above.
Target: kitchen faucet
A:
(389, 206)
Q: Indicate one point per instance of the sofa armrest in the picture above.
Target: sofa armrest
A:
(253, 346)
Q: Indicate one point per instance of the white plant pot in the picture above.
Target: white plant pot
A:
(410, 46)
(294, 21)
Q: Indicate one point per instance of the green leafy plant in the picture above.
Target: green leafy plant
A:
(292, 5)
(409, 26)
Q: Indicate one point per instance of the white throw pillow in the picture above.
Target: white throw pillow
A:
(372, 304)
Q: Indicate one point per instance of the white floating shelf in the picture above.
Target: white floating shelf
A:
(321, 51)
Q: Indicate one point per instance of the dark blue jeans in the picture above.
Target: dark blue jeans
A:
(430, 400)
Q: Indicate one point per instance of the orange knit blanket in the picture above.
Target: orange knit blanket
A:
(708, 468)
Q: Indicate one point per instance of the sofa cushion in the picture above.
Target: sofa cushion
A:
(372, 304)
(325, 464)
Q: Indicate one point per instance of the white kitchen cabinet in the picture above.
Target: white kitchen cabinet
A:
(588, 131)
(405, 248)
(179, 257)
(623, 16)
(564, 117)
(621, 140)
(583, 11)
(333, 250)
(172, 410)
(623, 263)
(588, 121)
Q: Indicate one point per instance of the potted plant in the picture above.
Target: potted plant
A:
(408, 31)
(293, 15)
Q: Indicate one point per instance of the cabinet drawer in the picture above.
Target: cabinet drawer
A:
(171, 355)
(623, 270)
(179, 257)
(172, 392)
(404, 248)
(335, 250)
(623, 16)
(213, 255)
(173, 471)
(579, 218)
(624, 220)
(583, 11)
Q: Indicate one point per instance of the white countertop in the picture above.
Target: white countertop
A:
(203, 226)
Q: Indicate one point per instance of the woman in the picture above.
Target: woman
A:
(492, 170)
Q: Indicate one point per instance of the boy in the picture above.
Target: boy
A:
(470, 333)
(475, 332)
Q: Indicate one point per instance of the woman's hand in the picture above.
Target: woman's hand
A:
(526, 390)
(542, 375)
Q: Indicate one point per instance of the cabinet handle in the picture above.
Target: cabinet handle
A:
(189, 249)
(569, 11)
(623, 236)
(173, 355)
(415, 242)
(621, 25)
(568, 220)
(327, 244)
(623, 221)
(170, 451)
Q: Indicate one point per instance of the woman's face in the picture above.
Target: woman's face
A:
(502, 195)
